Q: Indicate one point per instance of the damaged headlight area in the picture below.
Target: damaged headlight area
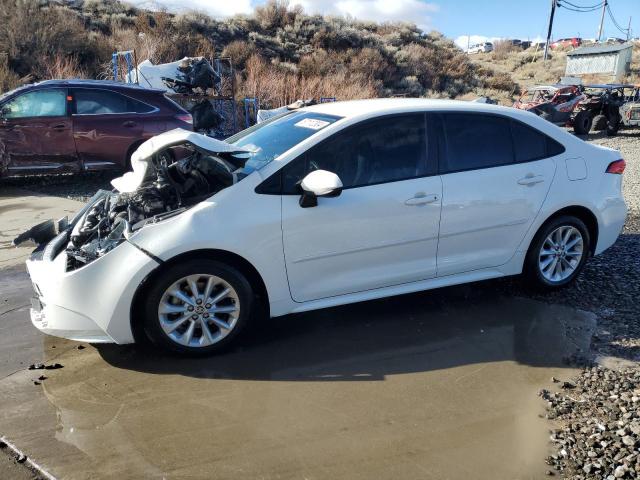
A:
(171, 172)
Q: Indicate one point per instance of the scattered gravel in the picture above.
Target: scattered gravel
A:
(600, 425)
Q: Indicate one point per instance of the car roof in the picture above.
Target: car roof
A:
(609, 85)
(381, 106)
(88, 83)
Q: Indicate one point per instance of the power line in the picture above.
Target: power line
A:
(616, 24)
(583, 6)
(593, 9)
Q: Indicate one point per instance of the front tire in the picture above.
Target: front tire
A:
(198, 307)
(557, 253)
(582, 123)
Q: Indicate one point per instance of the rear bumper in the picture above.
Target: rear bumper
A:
(92, 303)
(612, 218)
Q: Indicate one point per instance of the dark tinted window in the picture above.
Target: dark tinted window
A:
(477, 141)
(383, 150)
(554, 148)
(95, 102)
(529, 144)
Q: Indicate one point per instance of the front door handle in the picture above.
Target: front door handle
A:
(422, 198)
(59, 127)
(530, 179)
(129, 124)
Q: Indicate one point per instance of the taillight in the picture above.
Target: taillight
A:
(185, 117)
(617, 167)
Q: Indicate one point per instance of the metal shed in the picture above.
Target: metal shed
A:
(610, 61)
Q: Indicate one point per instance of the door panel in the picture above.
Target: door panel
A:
(486, 213)
(103, 141)
(105, 125)
(37, 135)
(368, 237)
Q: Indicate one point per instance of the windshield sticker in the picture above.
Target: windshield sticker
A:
(312, 123)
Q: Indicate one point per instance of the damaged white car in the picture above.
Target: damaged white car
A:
(327, 205)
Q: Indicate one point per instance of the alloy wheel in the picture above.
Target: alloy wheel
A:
(199, 310)
(561, 253)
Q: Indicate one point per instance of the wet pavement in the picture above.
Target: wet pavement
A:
(438, 385)
(19, 211)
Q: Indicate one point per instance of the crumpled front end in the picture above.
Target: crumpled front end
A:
(91, 303)
(86, 270)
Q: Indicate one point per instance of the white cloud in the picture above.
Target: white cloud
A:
(214, 8)
(415, 11)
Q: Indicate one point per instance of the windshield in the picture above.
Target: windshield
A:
(270, 139)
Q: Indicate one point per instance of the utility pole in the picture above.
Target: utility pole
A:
(629, 29)
(604, 7)
(551, 14)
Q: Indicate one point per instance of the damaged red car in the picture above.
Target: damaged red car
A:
(61, 126)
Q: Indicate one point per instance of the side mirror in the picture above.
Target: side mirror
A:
(4, 111)
(319, 183)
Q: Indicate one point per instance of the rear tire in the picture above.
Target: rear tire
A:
(203, 322)
(600, 123)
(613, 125)
(582, 123)
(557, 253)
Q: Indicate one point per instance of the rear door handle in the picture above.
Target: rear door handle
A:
(422, 199)
(531, 179)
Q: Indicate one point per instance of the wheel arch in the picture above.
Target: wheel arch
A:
(223, 256)
(583, 213)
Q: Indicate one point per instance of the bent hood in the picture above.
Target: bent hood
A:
(140, 159)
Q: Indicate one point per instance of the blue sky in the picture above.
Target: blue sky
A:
(455, 18)
(502, 18)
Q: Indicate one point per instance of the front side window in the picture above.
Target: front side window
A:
(384, 150)
(100, 102)
(477, 141)
(38, 103)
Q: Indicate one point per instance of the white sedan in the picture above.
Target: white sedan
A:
(326, 205)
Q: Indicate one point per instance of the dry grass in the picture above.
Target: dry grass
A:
(275, 86)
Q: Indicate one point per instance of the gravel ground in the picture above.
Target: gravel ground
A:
(595, 416)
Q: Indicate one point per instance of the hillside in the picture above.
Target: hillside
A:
(280, 53)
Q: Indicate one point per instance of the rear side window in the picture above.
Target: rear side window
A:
(100, 102)
(384, 150)
(531, 144)
(477, 141)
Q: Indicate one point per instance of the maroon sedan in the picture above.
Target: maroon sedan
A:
(78, 125)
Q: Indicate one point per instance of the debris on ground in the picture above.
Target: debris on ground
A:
(54, 366)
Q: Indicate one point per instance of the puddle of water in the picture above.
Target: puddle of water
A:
(434, 385)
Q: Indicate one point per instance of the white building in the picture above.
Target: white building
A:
(610, 61)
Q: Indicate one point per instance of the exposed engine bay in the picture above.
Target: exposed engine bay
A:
(171, 172)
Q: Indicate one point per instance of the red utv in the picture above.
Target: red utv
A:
(555, 103)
